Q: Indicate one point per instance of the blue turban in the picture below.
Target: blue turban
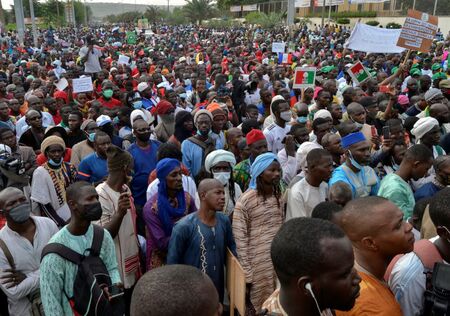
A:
(352, 138)
(166, 212)
(261, 163)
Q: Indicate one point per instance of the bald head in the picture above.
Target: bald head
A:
(32, 113)
(208, 185)
(174, 290)
(354, 108)
(438, 109)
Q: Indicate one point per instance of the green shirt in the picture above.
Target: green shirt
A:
(57, 275)
(398, 191)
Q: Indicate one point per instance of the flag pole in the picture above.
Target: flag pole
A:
(406, 57)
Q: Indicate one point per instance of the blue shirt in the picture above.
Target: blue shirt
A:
(144, 163)
(192, 156)
(363, 183)
(92, 168)
(426, 191)
(191, 238)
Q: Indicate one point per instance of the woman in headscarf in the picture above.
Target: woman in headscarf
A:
(220, 164)
(50, 181)
(257, 217)
(166, 118)
(163, 209)
(184, 128)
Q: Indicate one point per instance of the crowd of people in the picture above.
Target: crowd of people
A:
(192, 141)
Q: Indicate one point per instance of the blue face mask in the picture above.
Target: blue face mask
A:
(187, 82)
(302, 119)
(116, 120)
(204, 134)
(54, 163)
(354, 162)
(137, 105)
(91, 137)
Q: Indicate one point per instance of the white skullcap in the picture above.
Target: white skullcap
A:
(217, 156)
(322, 114)
(423, 126)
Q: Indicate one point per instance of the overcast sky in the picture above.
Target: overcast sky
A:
(7, 3)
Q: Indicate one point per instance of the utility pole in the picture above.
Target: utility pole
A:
(33, 24)
(290, 12)
(323, 13)
(435, 6)
(85, 14)
(18, 11)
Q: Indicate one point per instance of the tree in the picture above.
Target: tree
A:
(199, 10)
(267, 21)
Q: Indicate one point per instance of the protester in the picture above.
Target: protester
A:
(93, 167)
(305, 254)
(184, 128)
(201, 239)
(85, 147)
(276, 131)
(441, 179)
(260, 205)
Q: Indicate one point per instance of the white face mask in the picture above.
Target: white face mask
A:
(223, 177)
(286, 116)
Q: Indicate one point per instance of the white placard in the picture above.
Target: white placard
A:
(123, 60)
(250, 7)
(236, 8)
(61, 84)
(82, 85)
(278, 47)
(371, 39)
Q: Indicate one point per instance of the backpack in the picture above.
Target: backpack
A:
(88, 296)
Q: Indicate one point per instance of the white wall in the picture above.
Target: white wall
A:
(444, 21)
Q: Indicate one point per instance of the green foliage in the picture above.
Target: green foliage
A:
(343, 21)
(393, 25)
(302, 21)
(199, 10)
(347, 14)
(372, 23)
(266, 21)
(223, 23)
(126, 17)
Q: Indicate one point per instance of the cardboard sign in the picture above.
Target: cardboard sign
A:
(82, 84)
(61, 84)
(278, 47)
(418, 31)
(358, 73)
(304, 77)
(123, 60)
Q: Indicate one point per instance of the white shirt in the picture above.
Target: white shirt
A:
(303, 197)
(288, 165)
(22, 126)
(27, 258)
(92, 64)
(407, 281)
(274, 136)
(188, 186)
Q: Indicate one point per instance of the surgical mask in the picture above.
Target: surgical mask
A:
(302, 119)
(137, 104)
(54, 163)
(223, 177)
(91, 137)
(108, 93)
(20, 213)
(358, 125)
(395, 166)
(286, 116)
(92, 212)
(354, 162)
(187, 82)
(204, 134)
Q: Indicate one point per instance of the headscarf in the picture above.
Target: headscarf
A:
(261, 163)
(217, 156)
(61, 95)
(423, 126)
(166, 211)
(180, 132)
(52, 140)
(163, 107)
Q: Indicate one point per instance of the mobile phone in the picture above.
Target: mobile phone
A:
(115, 292)
(385, 89)
(386, 132)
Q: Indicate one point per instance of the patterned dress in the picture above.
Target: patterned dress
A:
(255, 223)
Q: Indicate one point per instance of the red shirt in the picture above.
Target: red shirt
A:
(57, 118)
(111, 103)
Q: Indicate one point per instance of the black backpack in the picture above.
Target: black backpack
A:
(88, 297)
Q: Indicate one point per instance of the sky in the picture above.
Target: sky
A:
(7, 3)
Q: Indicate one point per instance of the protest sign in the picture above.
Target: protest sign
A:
(250, 7)
(143, 24)
(236, 8)
(61, 84)
(123, 60)
(358, 73)
(370, 39)
(418, 31)
(131, 38)
(304, 77)
(278, 47)
(82, 84)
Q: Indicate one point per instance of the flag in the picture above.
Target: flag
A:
(284, 58)
(358, 73)
(304, 77)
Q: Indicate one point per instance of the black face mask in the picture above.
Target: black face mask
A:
(92, 211)
(143, 137)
